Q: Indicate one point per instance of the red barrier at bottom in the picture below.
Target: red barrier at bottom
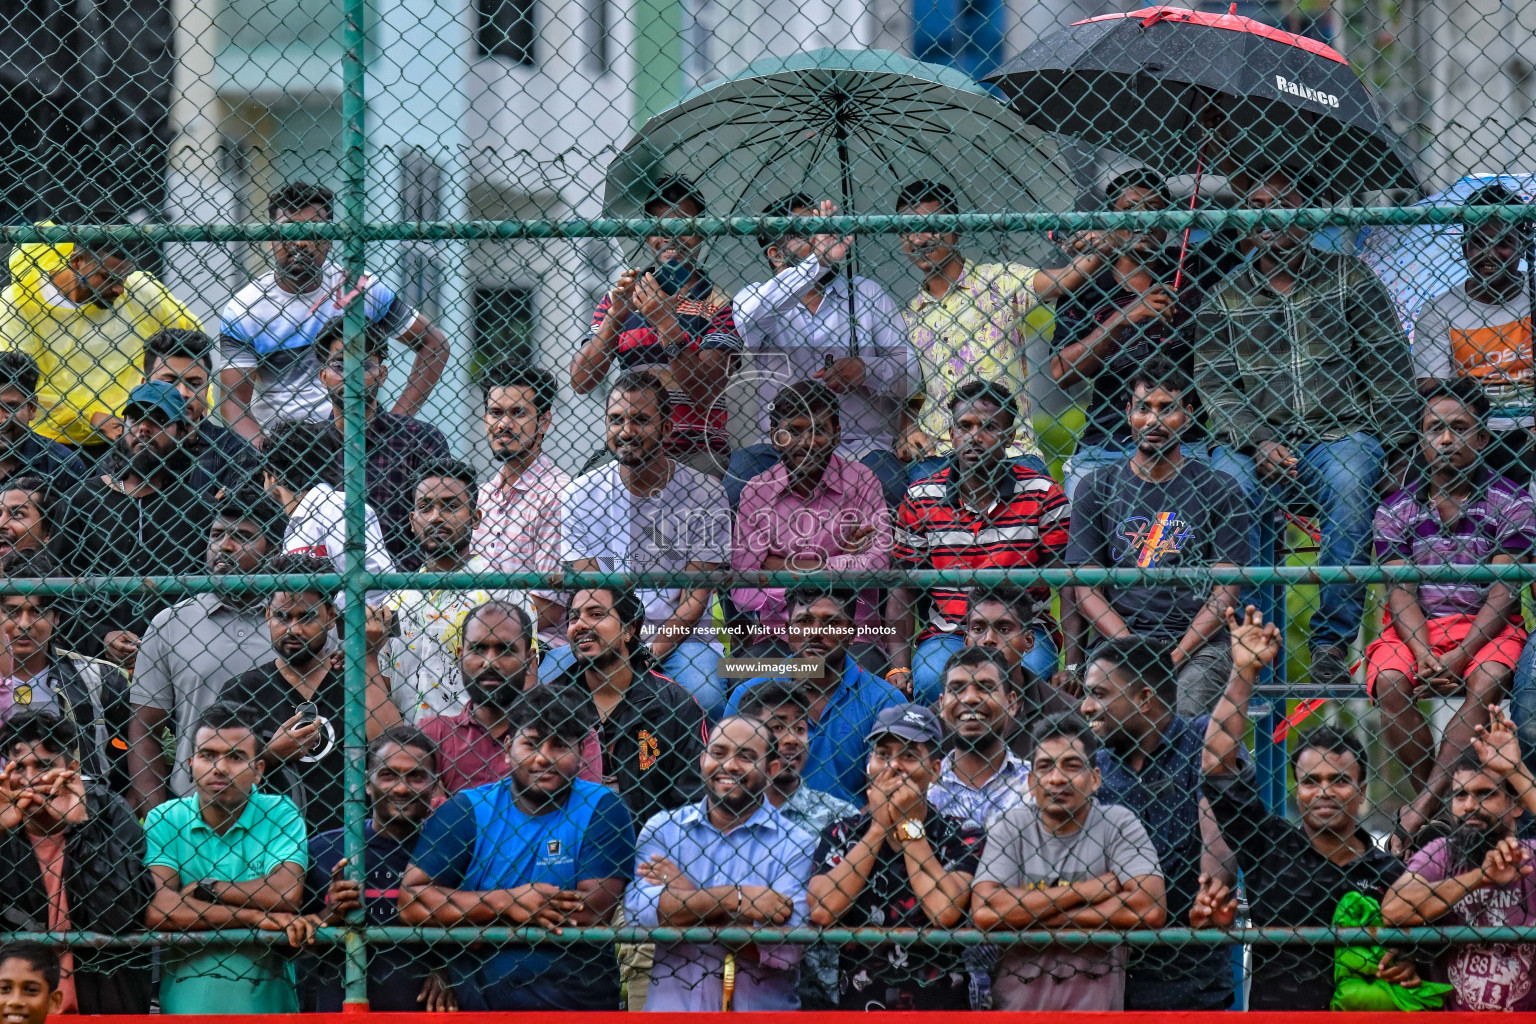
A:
(874, 1017)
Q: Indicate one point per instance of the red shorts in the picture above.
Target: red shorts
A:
(1388, 653)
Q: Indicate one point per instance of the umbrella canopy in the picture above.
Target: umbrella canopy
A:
(851, 126)
(1420, 261)
(1163, 83)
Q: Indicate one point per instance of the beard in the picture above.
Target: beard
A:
(746, 794)
(1468, 846)
(499, 696)
(150, 464)
(981, 743)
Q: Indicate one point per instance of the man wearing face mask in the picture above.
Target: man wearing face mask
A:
(299, 701)
(796, 325)
(82, 310)
(1308, 380)
(140, 518)
(496, 662)
(670, 321)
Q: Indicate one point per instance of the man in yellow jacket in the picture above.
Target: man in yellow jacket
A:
(82, 311)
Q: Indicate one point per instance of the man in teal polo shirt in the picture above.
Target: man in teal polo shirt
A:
(226, 857)
(844, 701)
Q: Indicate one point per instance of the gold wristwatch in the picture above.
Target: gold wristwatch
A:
(911, 830)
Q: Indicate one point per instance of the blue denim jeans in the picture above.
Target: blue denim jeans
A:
(748, 462)
(931, 655)
(1339, 478)
(1089, 457)
(1522, 701)
(691, 665)
(934, 463)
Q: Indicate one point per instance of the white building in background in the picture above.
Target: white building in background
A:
(484, 109)
(477, 109)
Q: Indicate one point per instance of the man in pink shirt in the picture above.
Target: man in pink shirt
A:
(498, 663)
(520, 523)
(810, 511)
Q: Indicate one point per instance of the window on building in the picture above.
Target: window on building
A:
(502, 328)
(599, 36)
(965, 34)
(421, 190)
(506, 28)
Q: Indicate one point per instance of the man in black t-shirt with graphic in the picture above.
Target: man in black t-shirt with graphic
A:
(304, 746)
(1161, 509)
(864, 867)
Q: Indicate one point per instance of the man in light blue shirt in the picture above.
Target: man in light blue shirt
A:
(796, 326)
(730, 860)
(843, 703)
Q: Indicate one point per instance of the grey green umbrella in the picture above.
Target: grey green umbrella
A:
(852, 126)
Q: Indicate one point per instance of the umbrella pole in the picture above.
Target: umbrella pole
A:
(1178, 276)
(845, 166)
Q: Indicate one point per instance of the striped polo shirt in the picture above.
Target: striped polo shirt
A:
(704, 314)
(1499, 520)
(935, 530)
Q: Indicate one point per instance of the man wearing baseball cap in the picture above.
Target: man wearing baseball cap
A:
(138, 518)
(900, 864)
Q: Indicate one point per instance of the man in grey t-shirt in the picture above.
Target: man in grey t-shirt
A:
(1068, 862)
(1481, 328)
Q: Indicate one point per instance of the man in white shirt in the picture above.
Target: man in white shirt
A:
(421, 658)
(646, 512)
(796, 326)
(269, 328)
(299, 468)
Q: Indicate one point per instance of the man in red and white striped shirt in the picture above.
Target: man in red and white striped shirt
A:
(981, 511)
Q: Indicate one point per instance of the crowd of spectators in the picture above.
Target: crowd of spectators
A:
(911, 757)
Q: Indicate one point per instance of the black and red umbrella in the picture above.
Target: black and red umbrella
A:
(1177, 89)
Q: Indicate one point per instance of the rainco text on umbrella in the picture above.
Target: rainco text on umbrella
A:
(1291, 88)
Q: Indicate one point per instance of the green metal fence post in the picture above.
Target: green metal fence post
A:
(354, 250)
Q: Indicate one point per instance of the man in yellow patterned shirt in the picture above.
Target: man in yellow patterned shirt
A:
(83, 311)
(974, 321)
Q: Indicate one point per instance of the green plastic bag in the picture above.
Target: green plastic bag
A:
(1355, 985)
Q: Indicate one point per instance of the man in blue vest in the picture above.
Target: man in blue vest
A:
(540, 848)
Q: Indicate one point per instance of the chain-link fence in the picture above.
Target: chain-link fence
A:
(571, 506)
